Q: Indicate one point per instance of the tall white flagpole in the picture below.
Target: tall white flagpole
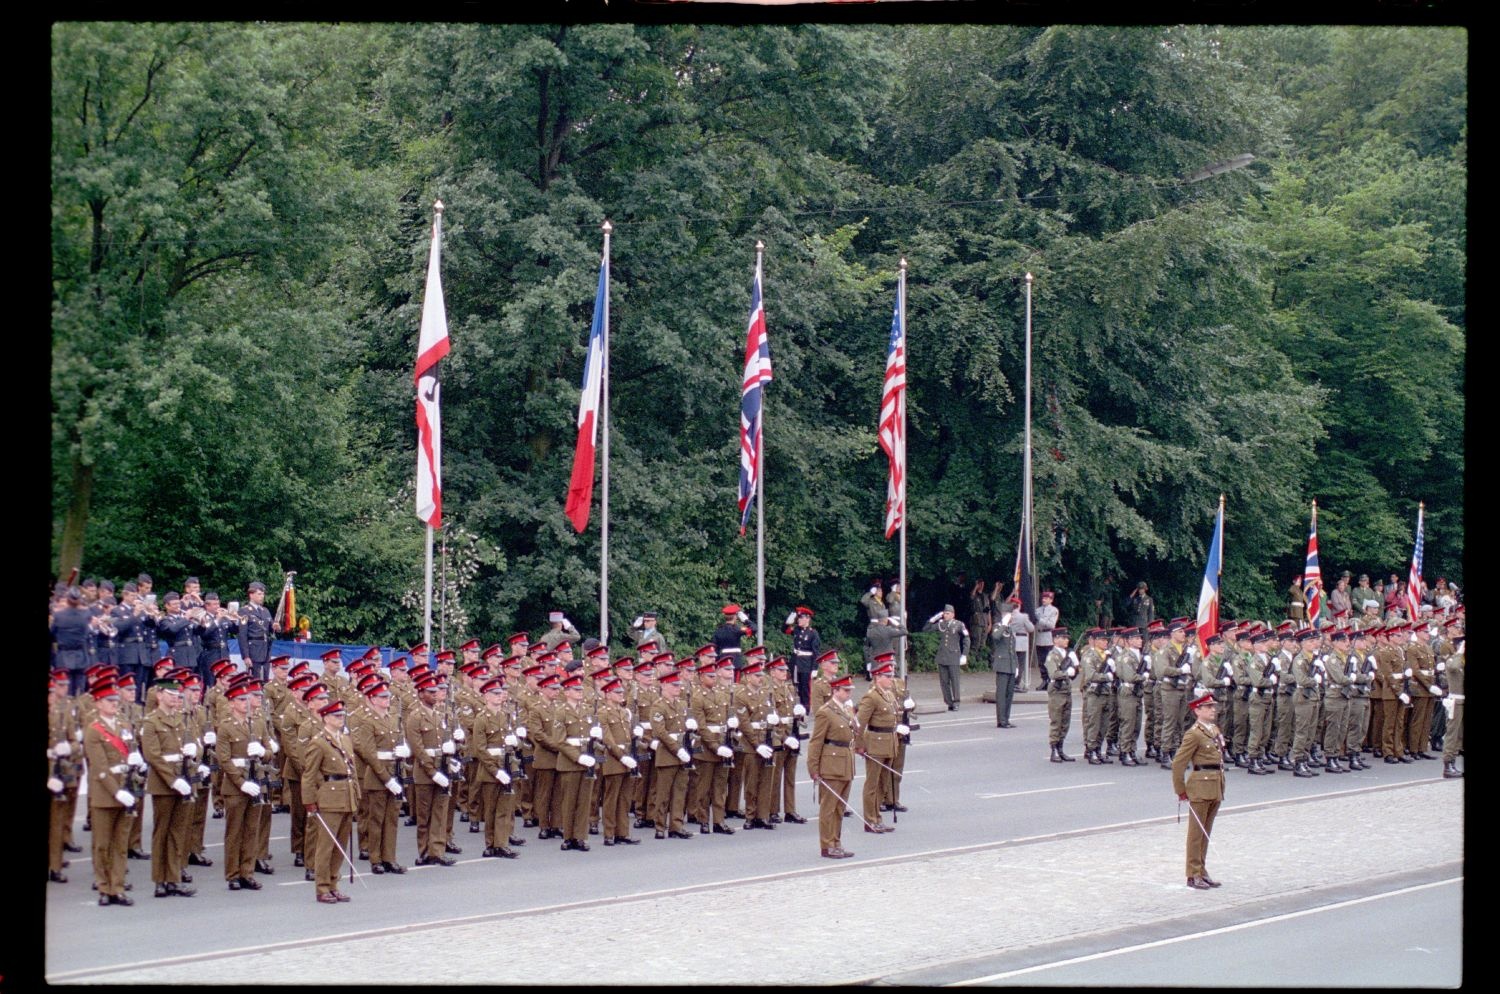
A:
(1029, 574)
(905, 508)
(437, 222)
(760, 483)
(604, 476)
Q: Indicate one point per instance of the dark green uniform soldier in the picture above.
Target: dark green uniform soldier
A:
(1097, 676)
(1062, 667)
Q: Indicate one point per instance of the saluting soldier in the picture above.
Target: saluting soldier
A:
(830, 762)
(728, 636)
(1198, 778)
(880, 717)
(1062, 667)
(952, 652)
(669, 730)
(807, 644)
(330, 793)
(109, 750)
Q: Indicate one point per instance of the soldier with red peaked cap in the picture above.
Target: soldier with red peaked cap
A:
(1198, 778)
(330, 793)
(728, 636)
(108, 748)
(835, 741)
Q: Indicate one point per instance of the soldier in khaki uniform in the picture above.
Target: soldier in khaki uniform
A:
(642, 696)
(712, 711)
(493, 742)
(1262, 679)
(330, 793)
(376, 738)
(536, 721)
(1391, 679)
(879, 716)
(1198, 778)
(830, 762)
(572, 732)
(112, 807)
(195, 723)
(620, 764)
(669, 730)
(1132, 677)
(162, 745)
(1285, 720)
(756, 758)
(1363, 667)
(1096, 674)
(1425, 691)
(786, 739)
(1338, 688)
(1453, 737)
(426, 734)
(237, 748)
(64, 764)
(1174, 682)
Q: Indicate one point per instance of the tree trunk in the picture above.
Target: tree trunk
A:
(74, 525)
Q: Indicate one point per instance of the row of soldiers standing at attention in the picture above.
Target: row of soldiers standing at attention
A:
(571, 747)
(1289, 698)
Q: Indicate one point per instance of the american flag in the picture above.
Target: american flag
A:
(893, 418)
(1312, 576)
(757, 372)
(1414, 576)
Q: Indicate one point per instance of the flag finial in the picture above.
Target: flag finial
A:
(606, 227)
(1028, 279)
(903, 263)
(760, 246)
(437, 206)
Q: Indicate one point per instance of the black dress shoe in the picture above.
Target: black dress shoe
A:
(1209, 880)
(529, 823)
(1196, 883)
(250, 883)
(704, 829)
(580, 846)
(644, 823)
(443, 860)
(451, 848)
(489, 851)
(104, 901)
(364, 854)
(517, 841)
(197, 859)
(218, 812)
(774, 820)
(722, 829)
(731, 813)
(297, 860)
(504, 853)
(626, 840)
(463, 816)
(796, 819)
(475, 826)
(660, 834)
(693, 820)
(56, 877)
(121, 899)
(409, 822)
(137, 854)
(234, 884)
(185, 891)
(70, 847)
(309, 876)
(393, 867)
(187, 877)
(678, 835)
(88, 825)
(1405, 759)
(264, 866)
(593, 829)
(377, 867)
(610, 841)
(163, 890)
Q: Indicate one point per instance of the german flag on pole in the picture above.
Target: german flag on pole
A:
(286, 607)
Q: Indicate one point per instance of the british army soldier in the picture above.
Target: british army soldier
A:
(112, 808)
(879, 715)
(238, 747)
(255, 631)
(669, 718)
(330, 793)
(830, 763)
(713, 708)
(806, 645)
(1198, 778)
(620, 764)
(376, 739)
(162, 746)
(787, 741)
(430, 749)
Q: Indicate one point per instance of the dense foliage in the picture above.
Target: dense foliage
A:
(240, 218)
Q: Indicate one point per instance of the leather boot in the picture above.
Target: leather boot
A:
(1056, 753)
(1092, 755)
(1301, 769)
(1451, 770)
(1065, 757)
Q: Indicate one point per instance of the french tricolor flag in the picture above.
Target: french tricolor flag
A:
(1208, 596)
(581, 485)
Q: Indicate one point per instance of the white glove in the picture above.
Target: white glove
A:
(210, 738)
(637, 731)
(763, 751)
(963, 660)
(440, 779)
(773, 718)
(458, 735)
(798, 711)
(908, 703)
(639, 621)
(1407, 674)
(1450, 705)
(250, 787)
(63, 749)
(873, 589)
(791, 619)
(448, 749)
(1226, 681)
(791, 743)
(125, 797)
(596, 732)
(78, 734)
(903, 729)
(455, 766)
(1072, 671)
(394, 786)
(181, 786)
(628, 762)
(203, 771)
(1440, 668)
(1318, 679)
(275, 746)
(55, 785)
(691, 724)
(1403, 698)
(684, 755)
(724, 752)
(930, 620)
(512, 741)
(503, 777)
(190, 749)
(137, 760)
(655, 743)
(1275, 679)
(521, 731)
(566, 622)
(402, 751)
(1185, 668)
(744, 618)
(1435, 690)
(586, 761)
(734, 721)
(255, 749)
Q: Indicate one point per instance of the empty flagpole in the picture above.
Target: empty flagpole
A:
(901, 568)
(604, 476)
(1026, 523)
(760, 482)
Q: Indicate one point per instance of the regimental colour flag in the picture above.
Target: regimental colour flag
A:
(893, 418)
(581, 484)
(1414, 575)
(286, 607)
(1208, 597)
(757, 374)
(1312, 575)
(432, 346)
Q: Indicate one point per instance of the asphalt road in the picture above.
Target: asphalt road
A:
(983, 801)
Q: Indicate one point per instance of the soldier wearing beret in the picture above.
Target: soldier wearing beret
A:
(1061, 666)
(1198, 778)
(952, 652)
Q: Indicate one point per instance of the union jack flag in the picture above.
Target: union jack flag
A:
(1414, 575)
(757, 372)
(893, 418)
(1312, 576)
